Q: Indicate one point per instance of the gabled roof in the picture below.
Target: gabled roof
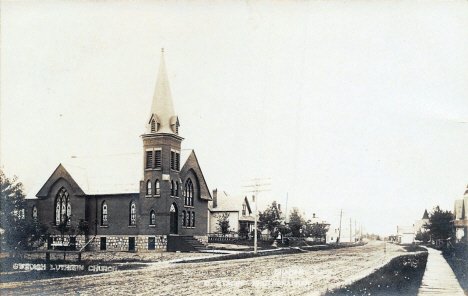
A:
(230, 203)
(42, 189)
(112, 174)
(190, 161)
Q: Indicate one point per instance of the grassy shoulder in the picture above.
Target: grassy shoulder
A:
(457, 258)
(401, 276)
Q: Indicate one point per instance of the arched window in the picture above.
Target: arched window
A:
(148, 187)
(34, 212)
(57, 210)
(188, 219)
(132, 213)
(191, 193)
(176, 188)
(63, 212)
(188, 192)
(193, 219)
(152, 218)
(62, 207)
(172, 188)
(183, 218)
(104, 213)
(157, 190)
(68, 211)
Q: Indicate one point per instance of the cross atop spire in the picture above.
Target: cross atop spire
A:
(162, 116)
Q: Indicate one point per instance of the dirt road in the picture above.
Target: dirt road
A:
(307, 273)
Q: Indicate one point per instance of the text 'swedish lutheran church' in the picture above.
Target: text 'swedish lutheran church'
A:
(152, 201)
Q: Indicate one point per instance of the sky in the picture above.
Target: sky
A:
(353, 106)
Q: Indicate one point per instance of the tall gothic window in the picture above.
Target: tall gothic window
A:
(152, 218)
(188, 193)
(157, 190)
(132, 213)
(183, 218)
(62, 207)
(244, 207)
(104, 213)
(148, 187)
(193, 219)
(188, 218)
(172, 188)
(176, 188)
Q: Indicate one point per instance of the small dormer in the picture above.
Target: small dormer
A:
(153, 124)
(175, 124)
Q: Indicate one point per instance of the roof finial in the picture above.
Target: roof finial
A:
(162, 49)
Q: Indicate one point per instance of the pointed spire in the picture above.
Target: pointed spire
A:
(162, 116)
(426, 215)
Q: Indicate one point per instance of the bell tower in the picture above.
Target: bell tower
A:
(161, 149)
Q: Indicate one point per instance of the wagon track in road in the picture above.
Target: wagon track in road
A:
(292, 274)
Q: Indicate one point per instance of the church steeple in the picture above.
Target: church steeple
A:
(162, 119)
(425, 215)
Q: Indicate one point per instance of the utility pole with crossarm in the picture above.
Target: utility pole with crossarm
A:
(257, 185)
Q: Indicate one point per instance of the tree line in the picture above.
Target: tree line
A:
(274, 221)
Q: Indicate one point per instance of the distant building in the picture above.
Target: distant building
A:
(332, 235)
(132, 202)
(420, 225)
(322, 223)
(460, 219)
(405, 234)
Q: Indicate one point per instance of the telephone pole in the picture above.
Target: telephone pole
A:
(339, 233)
(355, 230)
(256, 187)
(350, 230)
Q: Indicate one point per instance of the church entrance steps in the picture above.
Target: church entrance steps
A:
(439, 278)
(184, 244)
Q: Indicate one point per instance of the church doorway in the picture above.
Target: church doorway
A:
(173, 219)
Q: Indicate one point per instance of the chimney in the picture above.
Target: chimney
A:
(215, 198)
(279, 207)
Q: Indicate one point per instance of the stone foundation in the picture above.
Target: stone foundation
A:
(115, 243)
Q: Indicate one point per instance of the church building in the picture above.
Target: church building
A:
(156, 200)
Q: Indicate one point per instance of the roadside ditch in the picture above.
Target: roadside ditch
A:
(401, 276)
